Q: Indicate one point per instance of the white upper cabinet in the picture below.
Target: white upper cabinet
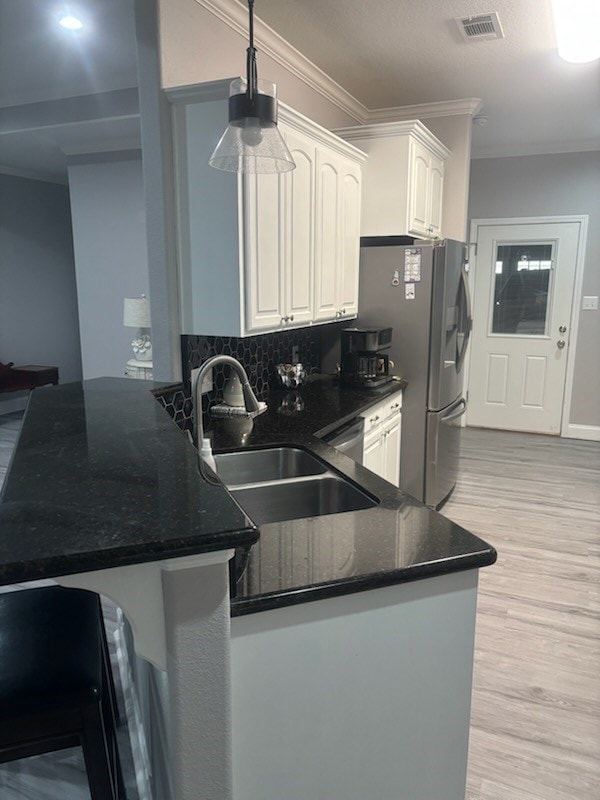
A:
(259, 253)
(402, 179)
(264, 250)
(338, 236)
(299, 226)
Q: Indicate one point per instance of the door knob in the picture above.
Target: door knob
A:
(560, 344)
(562, 329)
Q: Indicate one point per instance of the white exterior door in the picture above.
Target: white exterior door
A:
(523, 291)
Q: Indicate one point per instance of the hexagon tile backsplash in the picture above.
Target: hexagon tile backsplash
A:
(257, 354)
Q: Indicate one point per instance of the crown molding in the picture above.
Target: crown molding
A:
(281, 51)
(294, 119)
(384, 130)
(444, 108)
(235, 15)
(537, 149)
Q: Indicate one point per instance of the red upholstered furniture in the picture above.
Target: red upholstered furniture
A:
(16, 379)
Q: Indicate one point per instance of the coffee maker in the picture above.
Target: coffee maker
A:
(363, 365)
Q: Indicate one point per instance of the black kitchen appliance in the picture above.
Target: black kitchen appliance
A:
(363, 365)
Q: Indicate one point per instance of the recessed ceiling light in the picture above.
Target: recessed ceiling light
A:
(71, 23)
(577, 26)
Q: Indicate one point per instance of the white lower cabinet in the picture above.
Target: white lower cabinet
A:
(381, 453)
(392, 452)
(356, 686)
(259, 253)
(374, 453)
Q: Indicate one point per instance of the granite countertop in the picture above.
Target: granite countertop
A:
(101, 477)
(308, 559)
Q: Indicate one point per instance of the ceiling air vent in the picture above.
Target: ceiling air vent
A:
(483, 26)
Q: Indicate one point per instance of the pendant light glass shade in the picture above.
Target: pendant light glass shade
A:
(252, 142)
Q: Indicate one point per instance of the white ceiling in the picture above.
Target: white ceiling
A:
(40, 60)
(41, 64)
(404, 52)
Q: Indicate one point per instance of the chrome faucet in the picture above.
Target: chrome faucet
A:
(253, 407)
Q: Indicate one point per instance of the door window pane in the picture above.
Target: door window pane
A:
(522, 286)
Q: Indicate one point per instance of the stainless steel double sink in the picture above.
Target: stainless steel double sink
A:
(283, 483)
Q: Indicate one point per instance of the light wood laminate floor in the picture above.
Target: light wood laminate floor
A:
(535, 723)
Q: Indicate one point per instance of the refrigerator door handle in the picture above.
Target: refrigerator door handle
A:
(465, 288)
(456, 413)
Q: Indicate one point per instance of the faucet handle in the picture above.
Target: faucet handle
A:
(252, 404)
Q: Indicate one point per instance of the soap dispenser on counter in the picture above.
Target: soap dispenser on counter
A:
(232, 392)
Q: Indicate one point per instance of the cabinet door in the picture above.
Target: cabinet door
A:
(349, 229)
(327, 253)
(299, 226)
(264, 250)
(392, 452)
(418, 205)
(436, 194)
(374, 454)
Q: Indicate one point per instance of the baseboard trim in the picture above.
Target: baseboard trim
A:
(589, 432)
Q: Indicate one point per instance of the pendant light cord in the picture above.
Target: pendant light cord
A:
(251, 54)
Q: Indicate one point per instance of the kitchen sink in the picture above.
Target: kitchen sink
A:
(312, 497)
(284, 483)
(272, 464)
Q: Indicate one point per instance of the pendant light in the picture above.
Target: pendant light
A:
(252, 142)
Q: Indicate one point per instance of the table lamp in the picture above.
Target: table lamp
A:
(136, 314)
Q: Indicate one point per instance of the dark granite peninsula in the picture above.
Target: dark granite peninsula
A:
(342, 666)
(101, 477)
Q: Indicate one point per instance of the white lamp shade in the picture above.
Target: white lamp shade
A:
(136, 312)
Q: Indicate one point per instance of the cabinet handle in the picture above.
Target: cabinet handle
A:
(343, 311)
(395, 406)
(374, 419)
(291, 318)
(284, 319)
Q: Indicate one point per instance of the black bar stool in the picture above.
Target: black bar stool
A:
(56, 688)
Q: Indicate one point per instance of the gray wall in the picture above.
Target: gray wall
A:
(109, 235)
(565, 183)
(38, 300)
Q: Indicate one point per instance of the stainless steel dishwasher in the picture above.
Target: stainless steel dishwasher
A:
(348, 439)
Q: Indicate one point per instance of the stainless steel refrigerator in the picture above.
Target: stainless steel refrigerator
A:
(420, 290)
